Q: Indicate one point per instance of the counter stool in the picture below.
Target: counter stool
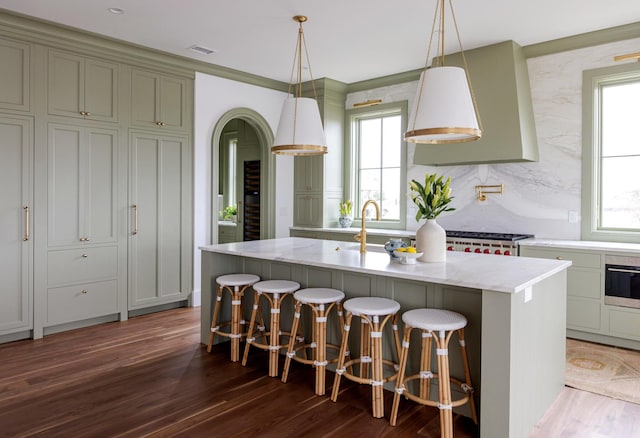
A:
(235, 284)
(443, 323)
(321, 301)
(274, 291)
(374, 313)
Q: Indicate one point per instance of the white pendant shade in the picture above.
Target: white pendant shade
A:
(443, 111)
(300, 129)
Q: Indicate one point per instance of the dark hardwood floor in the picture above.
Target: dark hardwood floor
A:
(150, 376)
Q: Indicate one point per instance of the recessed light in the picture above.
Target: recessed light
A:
(116, 10)
(201, 49)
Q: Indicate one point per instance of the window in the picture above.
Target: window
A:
(611, 205)
(377, 165)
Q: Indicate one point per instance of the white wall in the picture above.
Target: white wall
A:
(538, 197)
(214, 97)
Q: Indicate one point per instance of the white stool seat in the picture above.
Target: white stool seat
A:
(237, 279)
(318, 295)
(373, 306)
(276, 286)
(434, 319)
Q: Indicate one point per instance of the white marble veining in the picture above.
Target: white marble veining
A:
(633, 248)
(537, 196)
(477, 271)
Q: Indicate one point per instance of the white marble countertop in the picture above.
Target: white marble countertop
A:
(583, 245)
(477, 271)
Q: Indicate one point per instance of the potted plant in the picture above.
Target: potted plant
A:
(432, 198)
(345, 218)
(230, 213)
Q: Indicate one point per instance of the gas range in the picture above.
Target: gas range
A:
(485, 243)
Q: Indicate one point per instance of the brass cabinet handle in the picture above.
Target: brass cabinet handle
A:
(85, 291)
(84, 256)
(84, 239)
(85, 113)
(239, 213)
(559, 258)
(135, 219)
(27, 222)
(159, 123)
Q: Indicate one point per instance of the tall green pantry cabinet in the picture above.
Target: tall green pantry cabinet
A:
(95, 180)
(160, 199)
(16, 189)
(16, 243)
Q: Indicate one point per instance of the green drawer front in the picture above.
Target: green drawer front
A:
(583, 314)
(586, 283)
(579, 259)
(81, 301)
(624, 323)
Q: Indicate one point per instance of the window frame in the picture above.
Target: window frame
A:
(351, 160)
(592, 80)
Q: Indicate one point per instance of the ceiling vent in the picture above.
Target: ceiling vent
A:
(201, 50)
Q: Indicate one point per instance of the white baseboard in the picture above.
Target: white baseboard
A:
(195, 298)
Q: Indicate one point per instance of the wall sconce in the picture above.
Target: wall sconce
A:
(483, 191)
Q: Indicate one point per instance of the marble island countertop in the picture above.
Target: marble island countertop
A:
(478, 271)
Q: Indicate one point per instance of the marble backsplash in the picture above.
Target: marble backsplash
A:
(541, 198)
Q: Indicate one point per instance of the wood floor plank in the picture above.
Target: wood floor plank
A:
(150, 377)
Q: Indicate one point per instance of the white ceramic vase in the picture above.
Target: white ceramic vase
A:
(431, 240)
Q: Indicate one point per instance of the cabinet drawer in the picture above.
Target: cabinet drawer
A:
(624, 323)
(82, 301)
(585, 283)
(82, 264)
(583, 313)
(579, 259)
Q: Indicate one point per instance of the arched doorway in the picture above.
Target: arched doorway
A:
(264, 137)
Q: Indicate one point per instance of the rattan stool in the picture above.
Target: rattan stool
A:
(235, 284)
(437, 325)
(274, 291)
(374, 314)
(320, 301)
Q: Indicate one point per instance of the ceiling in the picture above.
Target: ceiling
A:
(347, 40)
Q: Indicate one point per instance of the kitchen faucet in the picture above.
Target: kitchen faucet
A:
(362, 235)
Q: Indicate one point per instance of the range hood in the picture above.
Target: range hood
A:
(500, 81)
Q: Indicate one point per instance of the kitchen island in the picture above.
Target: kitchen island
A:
(515, 307)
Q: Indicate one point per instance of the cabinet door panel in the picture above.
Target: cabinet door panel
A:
(158, 252)
(66, 84)
(101, 182)
(172, 102)
(143, 98)
(15, 74)
(143, 251)
(169, 217)
(15, 252)
(101, 90)
(65, 189)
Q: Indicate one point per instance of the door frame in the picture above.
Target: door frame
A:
(267, 164)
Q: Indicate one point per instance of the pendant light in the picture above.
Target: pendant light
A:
(444, 109)
(300, 129)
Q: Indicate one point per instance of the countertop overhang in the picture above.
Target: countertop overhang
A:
(477, 271)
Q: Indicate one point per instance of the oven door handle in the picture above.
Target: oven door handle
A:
(629, 271)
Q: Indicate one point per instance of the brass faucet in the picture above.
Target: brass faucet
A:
(362, 235)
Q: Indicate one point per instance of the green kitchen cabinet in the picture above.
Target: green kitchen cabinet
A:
(15, 71)
(585, 285)
(160, 237)
(82, 185)
(82, 87)
(158, 101)
(16, 241)
(500, 83)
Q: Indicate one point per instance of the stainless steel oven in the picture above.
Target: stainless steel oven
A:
(622, 281)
